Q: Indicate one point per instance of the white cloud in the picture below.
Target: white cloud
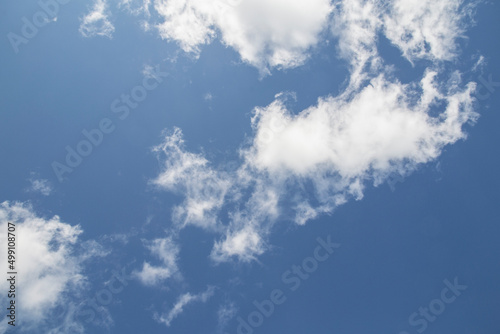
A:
(355, 24)
(342, 142)
(137, 7)
(167, 251)
(426, 28)
(245, 244)
(208, 97)
(50, 270)
(96, 22)
(266, 34)
(299, 165)
(181, 303)
(337, 146)
(421, 29)
(41, 186)
(190, 174)
(381, 126)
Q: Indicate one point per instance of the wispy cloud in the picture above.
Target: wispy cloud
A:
(190, 174)
(225, 313)
(167, 251)
(96, 22)
(41, 186)
(181, 303)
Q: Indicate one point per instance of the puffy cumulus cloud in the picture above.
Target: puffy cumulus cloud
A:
(381, 126)
(299, 165)
(96, 22)
(181, 303)
(266, 34)
(167, 251)
(190, 174)
(342, 141)
(50, 266)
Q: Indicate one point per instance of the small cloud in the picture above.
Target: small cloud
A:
(191, 174)
(225, 313)
(167, 251)
(96, 23)
(208, 97)
(184, 300)
(41, 186)
(245, 244)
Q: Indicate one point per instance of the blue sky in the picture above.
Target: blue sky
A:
(237, 166)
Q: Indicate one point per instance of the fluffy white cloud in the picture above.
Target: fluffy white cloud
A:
(266, 34)
(383, 125)
(49, 266)
(167, 251)
(184, 300)
(301, 164)
(96, 22)
(340, 143)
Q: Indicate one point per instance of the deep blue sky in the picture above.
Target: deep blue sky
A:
(397, 245)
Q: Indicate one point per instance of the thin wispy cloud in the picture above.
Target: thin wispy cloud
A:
(167, 251)
(42, 186)
(181, 303)
(96, 22)
(225, 314)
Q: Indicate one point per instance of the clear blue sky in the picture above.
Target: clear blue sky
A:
(237, 166)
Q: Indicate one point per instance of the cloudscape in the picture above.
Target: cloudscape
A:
(250, 166)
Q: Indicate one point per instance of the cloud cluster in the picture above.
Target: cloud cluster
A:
(49, 266)
(299, 165)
